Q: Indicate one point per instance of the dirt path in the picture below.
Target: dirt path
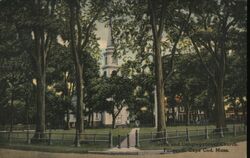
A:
(238, 151)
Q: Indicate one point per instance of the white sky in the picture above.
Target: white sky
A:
(102, 33)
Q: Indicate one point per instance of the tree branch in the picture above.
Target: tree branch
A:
(162, 18)
(89, 28)
(175, 44)
(211, 51)
(153, 20)
(118, 112)
(203, 63)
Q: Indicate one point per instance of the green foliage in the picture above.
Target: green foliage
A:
(55, 111)
(189, 82)
(113, 94)
(217, 28)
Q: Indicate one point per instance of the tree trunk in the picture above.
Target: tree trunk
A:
(219, 102)
(113, 121)
(27, 104)
(219, 93)
(92, 119)
(188, 117)
(79, 93)
(12, 111)
(40, 121)
(78, 68)
(67, 127)
(42, 44)
(65, 95)
(159, 87)
(89, 120)
(157, 36)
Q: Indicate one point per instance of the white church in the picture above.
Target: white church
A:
(109, 65)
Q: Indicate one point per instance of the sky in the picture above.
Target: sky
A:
(102, 33)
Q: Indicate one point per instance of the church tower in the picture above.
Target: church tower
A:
(110, 63)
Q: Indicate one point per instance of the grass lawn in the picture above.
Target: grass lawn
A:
(182, 128)
(63, 140)
(183, 146)
(180, 144)
(115, 132)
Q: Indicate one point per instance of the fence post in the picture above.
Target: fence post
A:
(77, 142)
(110, 139)
(62, 138)
(187, 137)
(221, 132)
(50, 141)
(206, 133)
(128, 143)
(119, 141)
(166, 136)
(234, 128)
(10, 135)
(152, 136)
(177, 133)
(137, 144)
(94, 138)
(28, 135)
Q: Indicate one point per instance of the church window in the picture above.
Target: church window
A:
(106, 60)
(114, 73)
(105, 73)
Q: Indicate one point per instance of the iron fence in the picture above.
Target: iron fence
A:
(55, 138)
(175, 137)
(106, 139)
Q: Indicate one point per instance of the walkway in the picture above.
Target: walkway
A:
(124, 144)
(131, 139)
(238, 151)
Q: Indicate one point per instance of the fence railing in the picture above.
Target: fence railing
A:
(187, 135)
(57, 138)
(106, 139)
(17, 127)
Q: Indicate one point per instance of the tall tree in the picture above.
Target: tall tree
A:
(61, 78)
(215, 25)
(80, 37)
(157, 15)
(34, 23)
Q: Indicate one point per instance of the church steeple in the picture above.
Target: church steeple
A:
(110, 63)
(110, 37)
